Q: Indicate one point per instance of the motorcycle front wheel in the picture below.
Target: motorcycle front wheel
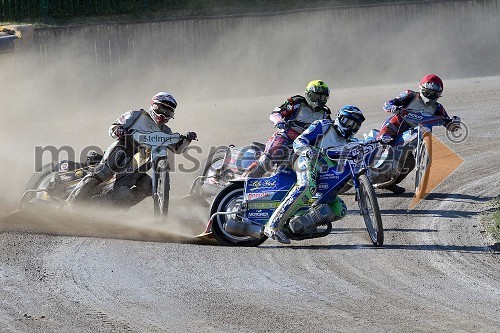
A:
(368, 207)
(423, 167)
(162, 195)
(228, 200)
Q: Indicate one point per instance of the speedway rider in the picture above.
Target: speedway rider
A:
(291, 119)
(130, 187)
(321, 134)
(431, 88)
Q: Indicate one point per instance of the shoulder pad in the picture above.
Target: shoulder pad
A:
(297, 99)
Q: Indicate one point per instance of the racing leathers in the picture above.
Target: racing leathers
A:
(407, 100)
(320, 135)
(291, 119)
(131, 186)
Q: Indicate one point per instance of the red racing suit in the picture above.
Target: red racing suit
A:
(298, 116)
(411, 100)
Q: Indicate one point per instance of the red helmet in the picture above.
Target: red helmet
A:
(431, 88)
(162, 107)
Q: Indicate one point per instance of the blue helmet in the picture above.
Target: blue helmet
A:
(348, 121)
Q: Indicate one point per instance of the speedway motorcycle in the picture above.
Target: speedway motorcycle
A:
(224, 164)
(53, 183)
(240, 211)
(410, 149)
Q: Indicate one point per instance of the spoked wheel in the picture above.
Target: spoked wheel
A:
(229, 200)
(162, 195)
(423, 167)
(368, 206)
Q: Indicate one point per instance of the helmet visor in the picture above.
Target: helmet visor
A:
(164, 110)
(317, 97)
(430, 94)
(350, 123)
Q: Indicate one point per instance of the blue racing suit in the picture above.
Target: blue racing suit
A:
(320, 135)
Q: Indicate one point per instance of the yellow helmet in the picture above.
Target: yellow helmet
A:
(317, 93)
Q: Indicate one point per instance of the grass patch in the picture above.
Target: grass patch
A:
(494, 226)
(491, 222)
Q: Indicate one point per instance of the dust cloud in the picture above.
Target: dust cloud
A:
(225, 72)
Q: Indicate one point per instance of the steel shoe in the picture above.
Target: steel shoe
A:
(277, 235)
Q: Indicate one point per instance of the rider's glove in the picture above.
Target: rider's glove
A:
(281, 125)
(454, 124)
(119, 132)
(386, 139)
(399, 110)
(190, 136)
(311, 154)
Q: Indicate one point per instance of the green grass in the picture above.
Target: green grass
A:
(492, 221)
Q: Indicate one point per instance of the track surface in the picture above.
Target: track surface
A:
(435, 273)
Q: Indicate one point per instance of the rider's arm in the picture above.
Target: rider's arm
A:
(284, 111)
(125, 121)
(401, 101)
(441, 112)
(179, 147)
(308, 138)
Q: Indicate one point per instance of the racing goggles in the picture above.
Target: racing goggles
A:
(430, 94)
(354, 125)
(163, 112)
(317, 97)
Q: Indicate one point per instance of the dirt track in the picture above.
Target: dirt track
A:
(435, 273)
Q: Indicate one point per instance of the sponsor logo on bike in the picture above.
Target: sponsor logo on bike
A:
(330, 176)
(158, 138)
(263, 205)
(259, 214)
(252, 196)
(63, 166)
(414, 116)
(322, 186)
(262, 183)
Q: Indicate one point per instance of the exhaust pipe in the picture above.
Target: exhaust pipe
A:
(244, 229)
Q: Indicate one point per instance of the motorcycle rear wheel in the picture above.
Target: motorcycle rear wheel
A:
(423, 167)
(162, 196)
(368, 206)
(40, 180)
(227, 200)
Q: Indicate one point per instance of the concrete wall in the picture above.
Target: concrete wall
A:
(361, 45)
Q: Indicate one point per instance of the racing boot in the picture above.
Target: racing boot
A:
(276, 234)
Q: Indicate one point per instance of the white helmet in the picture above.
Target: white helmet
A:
(162, 107)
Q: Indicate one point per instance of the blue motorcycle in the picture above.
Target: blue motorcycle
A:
(240, 211)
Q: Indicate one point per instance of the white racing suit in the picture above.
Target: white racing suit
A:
(130, 187)
(320, 135)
